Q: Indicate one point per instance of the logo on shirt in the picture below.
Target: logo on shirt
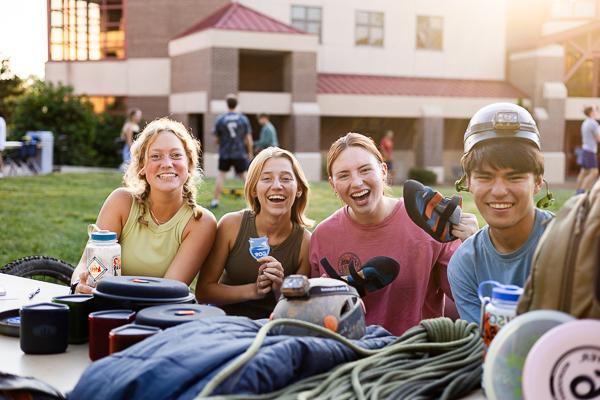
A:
(344, 261)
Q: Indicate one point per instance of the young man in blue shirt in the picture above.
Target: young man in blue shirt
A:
(504, 169)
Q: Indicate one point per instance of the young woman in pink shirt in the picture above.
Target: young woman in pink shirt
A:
(371, 224)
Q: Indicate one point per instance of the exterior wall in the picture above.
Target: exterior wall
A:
(399, 57)
(526, 20)
(152, 106)
(402, 106)
(139, 77)
(152, 23)
(530, 70)
(189, 72)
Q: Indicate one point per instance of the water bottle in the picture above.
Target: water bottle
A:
(103, 256)
(498, 310)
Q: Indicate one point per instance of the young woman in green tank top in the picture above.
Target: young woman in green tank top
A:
(276, 192)
(161, 229)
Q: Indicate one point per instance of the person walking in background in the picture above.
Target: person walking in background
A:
(234, 137)
(130, 129)
(590, 136)
(2, 143)
(268, 134)
(386, 146)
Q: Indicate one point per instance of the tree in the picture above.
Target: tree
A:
(11, 86)
(45, 106)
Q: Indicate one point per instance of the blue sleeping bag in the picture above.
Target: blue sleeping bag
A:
(179, 362)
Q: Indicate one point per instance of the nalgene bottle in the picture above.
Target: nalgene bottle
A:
(498, 310)
(103, 256)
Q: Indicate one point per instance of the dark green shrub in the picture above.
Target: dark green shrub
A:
(48, 107)
(425, 176)
(108, 145)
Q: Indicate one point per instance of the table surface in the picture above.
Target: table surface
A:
(61, 371)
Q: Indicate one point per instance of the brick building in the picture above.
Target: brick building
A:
(322, 68)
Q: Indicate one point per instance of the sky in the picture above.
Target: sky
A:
(23, 36)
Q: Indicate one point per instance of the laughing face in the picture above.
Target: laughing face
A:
(504, 197)
(167, 165)
(358, 178)
(277, 187)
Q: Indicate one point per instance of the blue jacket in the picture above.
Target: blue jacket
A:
(179, 362)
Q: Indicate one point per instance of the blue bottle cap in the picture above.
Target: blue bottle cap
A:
(507, 293)
(104, 236)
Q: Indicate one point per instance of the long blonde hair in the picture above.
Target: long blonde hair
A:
(300, 203)
(137, 184)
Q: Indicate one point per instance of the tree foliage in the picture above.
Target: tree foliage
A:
(11, 86)
(46, 106)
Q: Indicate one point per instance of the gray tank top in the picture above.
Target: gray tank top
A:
(241, 268)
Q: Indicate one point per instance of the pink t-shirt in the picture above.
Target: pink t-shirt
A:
(418, 290)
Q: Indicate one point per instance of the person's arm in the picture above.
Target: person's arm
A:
(441, 267)
(263, 140)
(249, 145)
(208, 288)
(461, 275)
(198, 238)
(112, 217)
(314, 255)
(128, 133)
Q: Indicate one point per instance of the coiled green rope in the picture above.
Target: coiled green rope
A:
(439, 358)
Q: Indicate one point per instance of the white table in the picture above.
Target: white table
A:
(61, 371)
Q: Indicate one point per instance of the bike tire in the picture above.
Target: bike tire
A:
(41, 268)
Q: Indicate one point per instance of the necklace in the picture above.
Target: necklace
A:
(158, 222)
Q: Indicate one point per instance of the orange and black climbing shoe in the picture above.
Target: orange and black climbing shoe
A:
(431, 211)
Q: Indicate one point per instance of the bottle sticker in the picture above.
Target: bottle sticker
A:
(116, 262)
(259, 247)
(96, 269)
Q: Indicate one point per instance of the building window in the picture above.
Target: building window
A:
(430, 32)
(307, 19)
(369, 28)
(110, 104)
(86, 30)
(574, 8)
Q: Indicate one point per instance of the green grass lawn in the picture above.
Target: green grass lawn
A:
(48, 215)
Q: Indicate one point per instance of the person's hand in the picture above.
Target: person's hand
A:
(82, 287)
(468, 226)
(263, 286)
(273, 270)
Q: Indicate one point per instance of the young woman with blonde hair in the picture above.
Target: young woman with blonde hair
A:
(163, 232)
(276, 193)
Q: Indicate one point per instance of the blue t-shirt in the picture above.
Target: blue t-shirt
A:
(477, 260)
(589, 132)
(231, 128)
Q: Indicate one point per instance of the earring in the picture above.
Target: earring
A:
(298, 194)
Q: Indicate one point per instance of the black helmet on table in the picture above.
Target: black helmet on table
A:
(327, 302)
(501, 120)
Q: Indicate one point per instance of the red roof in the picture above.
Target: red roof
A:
(235, 16)
(406, 86)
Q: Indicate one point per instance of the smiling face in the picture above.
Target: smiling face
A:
(166, 168)
(359, 180)
(504, 197)
(277, 187)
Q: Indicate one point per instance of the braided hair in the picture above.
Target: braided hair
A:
(137, 184)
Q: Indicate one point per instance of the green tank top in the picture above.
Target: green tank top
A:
(241, 268)
(149, 250)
